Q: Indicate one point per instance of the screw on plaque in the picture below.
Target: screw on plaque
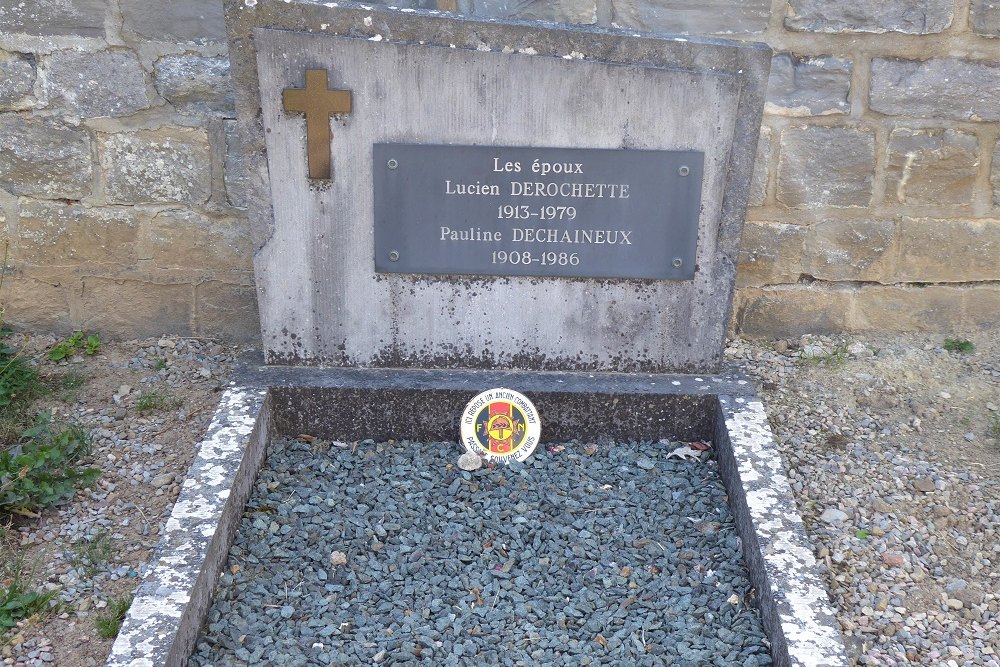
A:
(393, 256)
(684, 170)
(677, 262)
(392, 164)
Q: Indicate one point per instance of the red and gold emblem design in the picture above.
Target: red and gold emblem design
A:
(500, 424)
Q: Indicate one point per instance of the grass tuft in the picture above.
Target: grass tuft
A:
(108, 624)
(959, 345)
(154, 401)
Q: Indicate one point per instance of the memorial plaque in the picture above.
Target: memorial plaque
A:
(519, 211)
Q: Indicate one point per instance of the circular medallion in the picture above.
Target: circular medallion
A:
(501, 425)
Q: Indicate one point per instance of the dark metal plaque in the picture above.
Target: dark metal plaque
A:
(506, 211)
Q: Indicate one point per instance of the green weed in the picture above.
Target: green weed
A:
(152, 401)
(838, 357)
(41, 469)
(78, 342)
(959, 345)
(18, 599)
(110, 623)
(18, 381)
(862, 533)
(93, 554)
(995, 427)
(161, 363)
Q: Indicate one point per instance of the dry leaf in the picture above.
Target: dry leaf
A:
(304, 437)
(234, 568)
(601, 640)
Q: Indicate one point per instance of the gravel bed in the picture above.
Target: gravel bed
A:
(891, 446)
(389, 554)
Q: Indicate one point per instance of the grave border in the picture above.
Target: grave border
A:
(170, 606)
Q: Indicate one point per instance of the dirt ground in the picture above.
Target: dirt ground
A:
(117, 522)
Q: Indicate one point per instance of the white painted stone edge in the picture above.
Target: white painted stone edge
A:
(794, 602)
(154, 621)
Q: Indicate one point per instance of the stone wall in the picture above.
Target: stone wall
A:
(876, 200)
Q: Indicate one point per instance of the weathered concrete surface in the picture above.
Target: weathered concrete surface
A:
(918, 17)
(936, 88)
(761, 168)
(808, 86)
(706, 17)
(826, 166)
(932, 167)
(103, 83)
(327, 306)
(44, 158)
(171, 164)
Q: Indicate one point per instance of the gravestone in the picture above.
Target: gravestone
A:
(433, 192)
(443, 205)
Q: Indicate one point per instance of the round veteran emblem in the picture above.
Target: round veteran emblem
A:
(501, 425)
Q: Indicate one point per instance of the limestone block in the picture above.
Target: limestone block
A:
(54, 235)
(228, 311)
(715, 17)
(36, 303)
(949, 250)
(936, 167)
(981, 304)
(995, 175)
(826, 166)
(195, 83)
(17, 81)
(761, 164)
(42, 157)
(850, 250)
(103, 83)
(770, 253)
(808, 86)
(984, 15)
(917, 17)
(936, 88)
(189, 242)
(561, 11)
(908, 308)
(83, 18)
(170, 164)
(233, 168)
(131, 308)
(175, 21)
(792, 311)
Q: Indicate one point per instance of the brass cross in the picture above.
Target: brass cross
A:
(318, 103)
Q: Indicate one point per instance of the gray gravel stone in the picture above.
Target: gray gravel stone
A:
(833, 515)
(568, 559)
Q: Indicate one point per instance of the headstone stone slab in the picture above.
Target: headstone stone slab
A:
(425, 78)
